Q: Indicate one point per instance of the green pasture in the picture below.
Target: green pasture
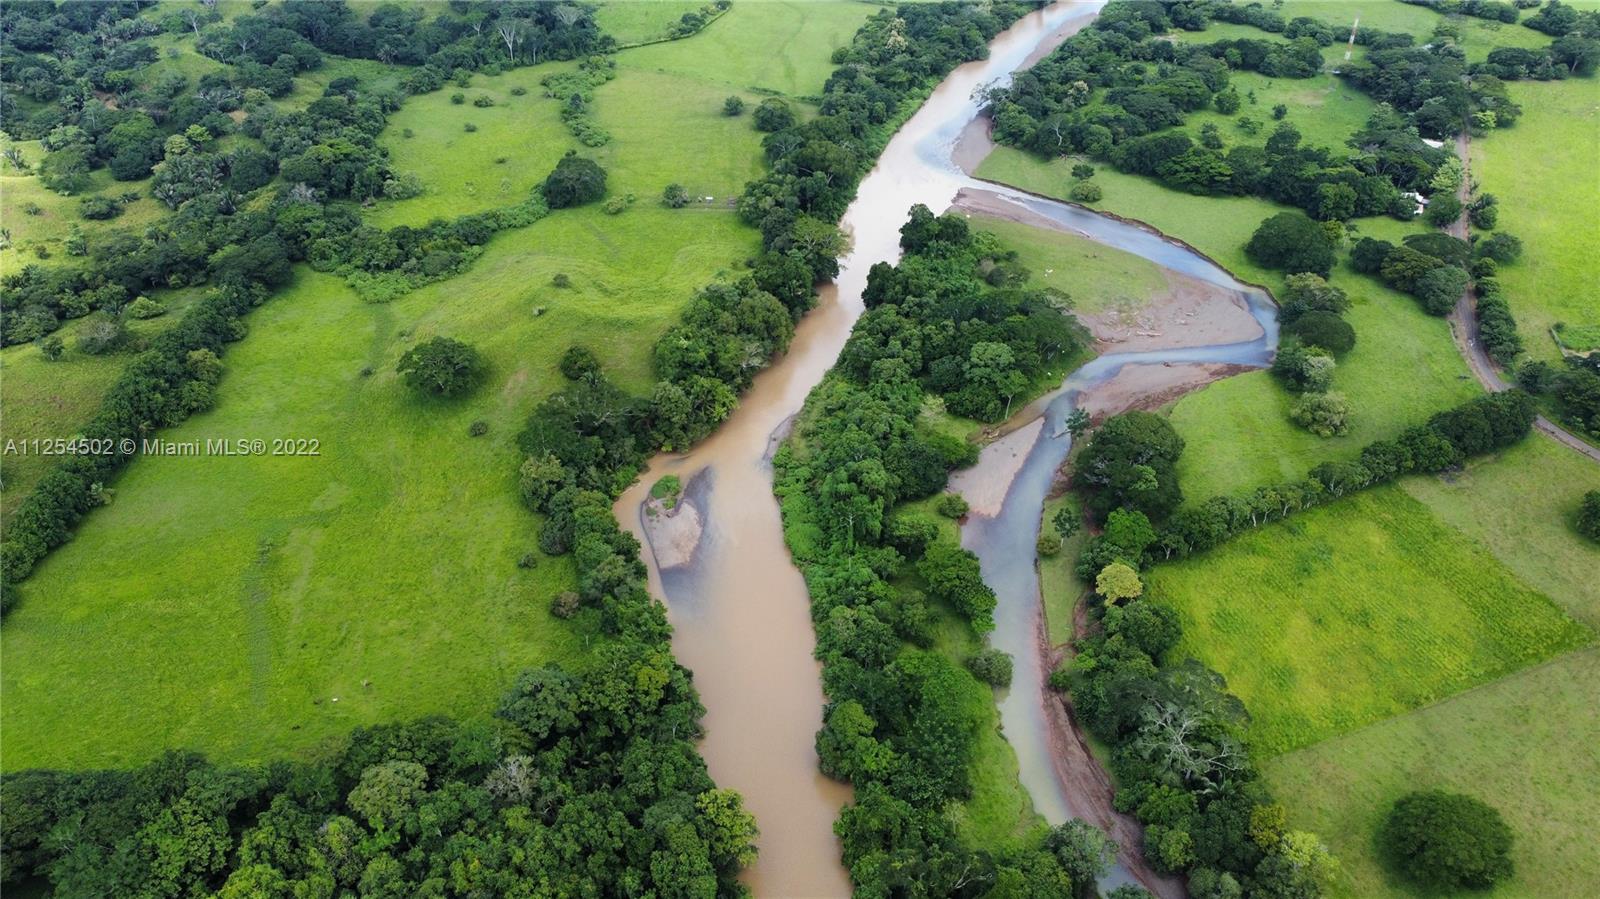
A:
(1354, 612)
(1520, 503)
(1542, 170)
(44, 400)
(768, 47)
(638, 21)
(52, 225)
(1095, 276)
(1525, 744)
(222, 603)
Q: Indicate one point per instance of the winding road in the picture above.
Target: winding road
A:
(1464, 320)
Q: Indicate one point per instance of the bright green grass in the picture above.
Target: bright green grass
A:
(221, 603)
(53, 225)
(44, 400)
(770, 46)
(1520, 503)
(1403, 368)
(1096, 276)
(462, 171)
(1542, 169)
(1354, 612)
(1525, 744)
(637, 21)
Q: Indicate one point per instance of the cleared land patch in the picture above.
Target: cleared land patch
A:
(52, 224)
(1525, 744)
(1355, 612)
(636, 21)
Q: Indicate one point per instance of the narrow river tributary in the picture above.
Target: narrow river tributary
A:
(739, 607)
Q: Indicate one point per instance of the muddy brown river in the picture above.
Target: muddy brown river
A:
(739, 607)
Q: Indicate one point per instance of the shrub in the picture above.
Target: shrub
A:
(675, 196)
(1447, 841)
(99, 208)
(458, 99)
(617, 205)
(575, 181)
(102, 334)
(144, 307)
(1589, 515)
(565, 604)
(1048, 545)
(483, 101)
(950, 505)
(1443, 209)
(579, 363)
(1323, 414)
(518, 91)
(1083, 171)
(442, 366)
(1503, 248)
(991, 666)
(560, 279)
(1085, 192)
(51, 347)
(478, 428)
(469, 127)
(732, 106)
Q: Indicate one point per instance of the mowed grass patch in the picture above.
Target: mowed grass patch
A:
(518, 141)
(1520, 504)
(1525, 744)
(1355, 612)
(44, 400)
(781, 47)
(221, 603)
(1542, 170)
(1096, 276)
(1403, 368)
(50, 227)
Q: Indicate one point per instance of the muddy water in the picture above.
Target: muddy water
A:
(740, 609)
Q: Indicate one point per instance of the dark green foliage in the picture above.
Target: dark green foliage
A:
(991, 666)
(1443, 210)
(1323, 329)
(1441, 246)
(674, 196)
(950, 505)
(733, 106)
(1291, 242)
(579, 363)
(1368, 254)
(1588, 520)
(1447, 841)
(574, 182)
(1496, 326)
(442, 366)
(772, 114)
(1502, 248)
(99, 208)
(1131, 461)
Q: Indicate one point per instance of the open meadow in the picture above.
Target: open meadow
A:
(1525, 744)
(1354, 612)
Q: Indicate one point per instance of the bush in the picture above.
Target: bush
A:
(1048, 545)
(579, 363)
(144, 307)
(99, 208)
(1447, 841)
(478, 428)
(458, 99)
(1085, 192)
(1292, 242)
(1503, 248)
(51, 347)
(1323, 329)
(483, 101)
(469, 127)
(565, 604)
(518, 91)
(773, 115)
(732, 106)
(991, 666)
(575, 181)
(617, 205)
(675, 196)
(560, 279)
(950, 505)
(1589, 516)
(1323, 414)
(442, 366)
(102, 334)
(1443, 209)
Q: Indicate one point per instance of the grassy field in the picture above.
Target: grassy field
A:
(1552, 144)
(50, 227)
(222, 603)
(780, 47)
(44, 400)
(1096, 276)
(637, 21)
(1524, 744)
(1356, 612)
(1520, 504)
(1239, 435)
(1059, 587)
